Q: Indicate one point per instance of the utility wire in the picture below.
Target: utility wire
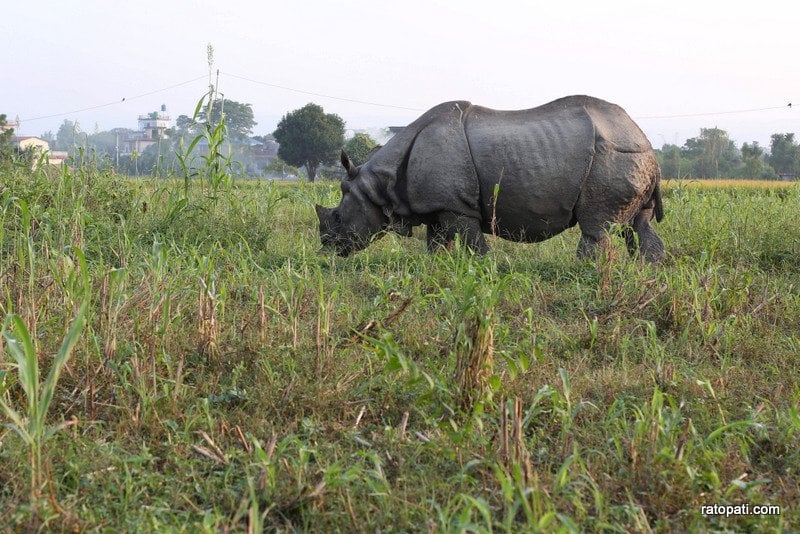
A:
(356, 101)
(787, 106)
(124, 99)
(285, 88)
(276, 86)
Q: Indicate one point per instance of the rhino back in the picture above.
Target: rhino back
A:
(539, 157)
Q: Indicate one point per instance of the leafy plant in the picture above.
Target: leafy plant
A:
(31, 426)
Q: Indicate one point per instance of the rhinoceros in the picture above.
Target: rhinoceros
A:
(527, 175)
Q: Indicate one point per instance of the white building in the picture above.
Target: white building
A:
(152, 128)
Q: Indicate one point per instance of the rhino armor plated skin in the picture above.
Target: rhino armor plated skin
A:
(577, 160)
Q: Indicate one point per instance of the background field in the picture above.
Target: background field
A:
(231, 377)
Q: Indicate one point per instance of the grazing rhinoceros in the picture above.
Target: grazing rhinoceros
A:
(575, 160)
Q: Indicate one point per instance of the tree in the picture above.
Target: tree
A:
(309, 137)
(784, 154)
(279, 168)
(714, 154)
(183, 123)
(66, 135)
(674, 165)
(359, 148)
(753, 159)
(238, 118)
(6, 134)
(49, 137)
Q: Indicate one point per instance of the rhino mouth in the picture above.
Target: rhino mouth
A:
(334, 244)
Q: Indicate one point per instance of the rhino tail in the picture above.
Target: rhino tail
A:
(659, 208)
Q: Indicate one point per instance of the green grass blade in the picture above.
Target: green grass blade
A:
(198, 108)
(21, 347)
(724, 428)
(18, 424)
(61, 359)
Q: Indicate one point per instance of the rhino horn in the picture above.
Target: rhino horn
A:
(322, 212)
(348, 165)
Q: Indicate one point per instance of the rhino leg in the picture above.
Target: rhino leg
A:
(631, 240)
(617, 190)
(443, 231)
(650, 245)
(436, 237)
(590, 242)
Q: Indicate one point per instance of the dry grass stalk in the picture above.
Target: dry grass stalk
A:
(207, 321)
(474, 360)
(372, 324)
(401, 432)
(606, 259)
(360, 415)
(220, 456)
(512, 441)
(104, 311)
(494, 203)
(324, 346)
(262, 315)
(178, 378)
(245, 444)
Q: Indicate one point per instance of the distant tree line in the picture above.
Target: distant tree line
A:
(312, 139)
(713, 154)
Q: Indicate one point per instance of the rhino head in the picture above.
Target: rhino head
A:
(350, 226)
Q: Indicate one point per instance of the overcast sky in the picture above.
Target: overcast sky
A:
(652, 58)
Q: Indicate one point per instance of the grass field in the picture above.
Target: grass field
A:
(223, 375)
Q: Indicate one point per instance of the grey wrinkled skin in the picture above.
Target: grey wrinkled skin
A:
(577, 160)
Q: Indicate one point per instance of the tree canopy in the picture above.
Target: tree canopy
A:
(67, 132)
(6, 134)
(359, 148)
(309, 137)
(784, 154)
(713, 154)
(238, 118)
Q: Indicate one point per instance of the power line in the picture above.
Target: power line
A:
(301, 91)
(124, 99)
(357, 101)
(708, 114)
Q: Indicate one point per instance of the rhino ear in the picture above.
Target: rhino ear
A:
(348, 166)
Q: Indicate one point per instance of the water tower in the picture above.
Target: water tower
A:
(153, 124)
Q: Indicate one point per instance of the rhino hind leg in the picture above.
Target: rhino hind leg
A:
(646, 241)
(591, 243)
(443, 231)
(619, 190)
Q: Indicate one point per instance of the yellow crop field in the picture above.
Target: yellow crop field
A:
(730, 183)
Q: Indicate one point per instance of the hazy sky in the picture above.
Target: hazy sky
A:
(652, 58)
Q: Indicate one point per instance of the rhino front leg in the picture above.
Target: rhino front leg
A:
(436, 237)
(443, 231)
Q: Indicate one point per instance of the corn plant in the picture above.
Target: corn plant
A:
(31, 426)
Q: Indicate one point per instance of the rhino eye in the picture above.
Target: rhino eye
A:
(337, 217)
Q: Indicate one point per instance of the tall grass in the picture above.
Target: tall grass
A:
(230, 377)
